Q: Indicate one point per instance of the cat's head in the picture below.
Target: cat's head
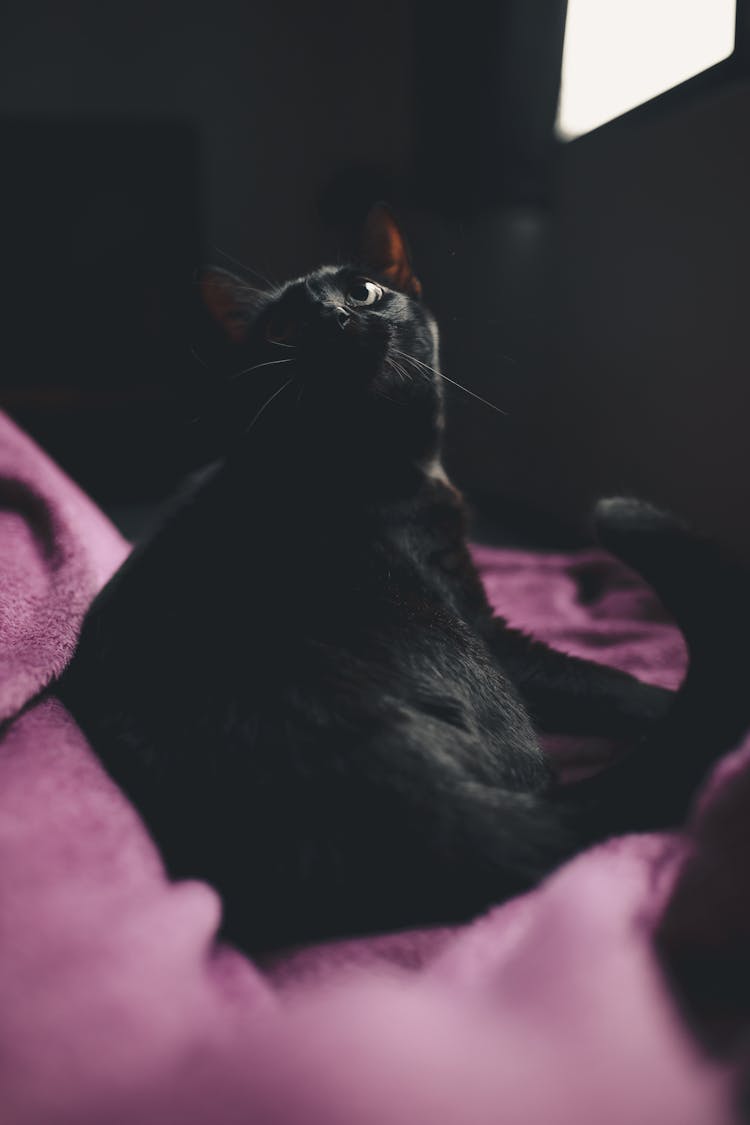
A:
(346, 356)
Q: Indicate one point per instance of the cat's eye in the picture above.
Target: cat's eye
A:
(365, 293)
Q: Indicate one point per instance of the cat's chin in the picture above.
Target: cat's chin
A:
(352, 386)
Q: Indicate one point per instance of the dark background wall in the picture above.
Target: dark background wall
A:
(654, 239)
(624, 311)
(595, 291)
(279, 95)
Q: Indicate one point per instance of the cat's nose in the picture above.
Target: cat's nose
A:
(343, 316)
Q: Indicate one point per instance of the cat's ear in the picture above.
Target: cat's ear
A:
(384, 250)
(229, 300)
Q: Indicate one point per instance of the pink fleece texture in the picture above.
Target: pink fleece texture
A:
(117, 1004)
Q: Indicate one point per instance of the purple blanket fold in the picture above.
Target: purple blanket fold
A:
(117, 1004)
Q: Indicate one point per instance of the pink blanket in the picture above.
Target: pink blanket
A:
(117, 1005)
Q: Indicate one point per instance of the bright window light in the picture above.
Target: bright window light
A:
(620, 53)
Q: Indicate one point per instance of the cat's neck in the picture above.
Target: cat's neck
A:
(348, 472)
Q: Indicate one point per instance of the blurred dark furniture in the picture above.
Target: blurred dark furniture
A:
(100, 230)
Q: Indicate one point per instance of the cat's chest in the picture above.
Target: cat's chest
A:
(270, 579)
(367, 571)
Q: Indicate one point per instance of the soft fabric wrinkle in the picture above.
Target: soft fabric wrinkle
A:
(118, 1004)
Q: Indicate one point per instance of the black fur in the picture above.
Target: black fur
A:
(299, 681)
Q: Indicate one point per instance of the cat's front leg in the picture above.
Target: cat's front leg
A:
(570, 695)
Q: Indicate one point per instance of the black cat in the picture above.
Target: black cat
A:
(299, 681)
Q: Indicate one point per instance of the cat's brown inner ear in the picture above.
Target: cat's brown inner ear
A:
(384, 249)
(222, 293)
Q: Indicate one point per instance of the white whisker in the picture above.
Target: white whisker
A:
(473, 394)
(256, 366)
(268, 402)
(453, 382)
(405, 375)
(200, 358)
(398, 370)
(249, 269)
(381, 394)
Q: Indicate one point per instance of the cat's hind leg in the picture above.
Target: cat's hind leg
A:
(570, 695)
